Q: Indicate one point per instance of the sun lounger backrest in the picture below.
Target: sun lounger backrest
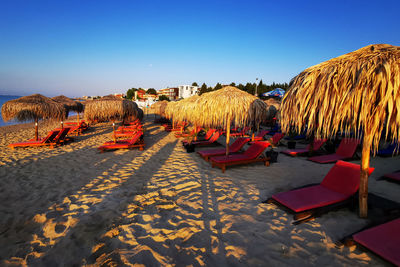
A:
(347, 147)
(262, 133)
(238, 144)
(135, 138)
(209, 133)
(215, 137)
(277, 137)
(256, 149)
(50, 136)
(62, 134)
(317, 144)
(344, 177)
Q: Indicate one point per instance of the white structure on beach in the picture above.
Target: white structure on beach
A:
(186, 91)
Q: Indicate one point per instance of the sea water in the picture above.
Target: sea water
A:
(3, 99)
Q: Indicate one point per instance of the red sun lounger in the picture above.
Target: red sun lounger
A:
(212, 141)
(46, 141)
(233, 148)
(252, 154)
(135, 141)
(346, 150)
(208, 135)
(260, 135)
(276, 138)
(395, 176)
(383, 240)
(296, 152)
(338, 186)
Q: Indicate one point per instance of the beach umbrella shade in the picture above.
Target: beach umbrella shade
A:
(69, 104)
(357, 92)
(159, 107)
(33, 107)
(228, 106)
(183, 109)
(273, 107)
(277, 92)
(110, 108)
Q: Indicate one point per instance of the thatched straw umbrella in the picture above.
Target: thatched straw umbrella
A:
(33, 107)
(273, 107)
(228, 106)
(357, 92)
(110, 108)
(159, 107)
(69, 104)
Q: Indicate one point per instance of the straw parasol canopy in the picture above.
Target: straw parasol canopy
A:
(273, 107)
(159, 107)
(357, 92)
(68, 103)
(110, 108)
(225, 107)
(33, 107)
(182, 110)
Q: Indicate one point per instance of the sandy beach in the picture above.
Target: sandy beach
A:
(73, 206)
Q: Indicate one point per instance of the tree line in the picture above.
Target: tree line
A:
(248, 87)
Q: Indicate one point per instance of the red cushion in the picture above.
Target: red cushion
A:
(393, 176)
(230, 158)
(384, 240)
(326, 158)
(347, 147)
(212, 152)
(344, 177)
(309, 198)
(256, 149)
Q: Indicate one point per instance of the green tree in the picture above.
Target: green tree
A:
(163, 97)
(130, 93)
(217, 86)
(195, 84)
(233, 84)
(203, 89)
(151, 91)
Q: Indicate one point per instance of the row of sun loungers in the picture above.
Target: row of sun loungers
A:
(56, 137)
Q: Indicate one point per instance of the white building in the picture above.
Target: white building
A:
(186, 91)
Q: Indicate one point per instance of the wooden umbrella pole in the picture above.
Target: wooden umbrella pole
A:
(228, 132)
(36, 130)
(363, 191)
(62, 124)
(115, 138)
(195, 132)
(77, 116)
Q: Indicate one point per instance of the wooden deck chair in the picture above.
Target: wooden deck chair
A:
(233, 148)
(336, 190)
(301, 151)
(46, 141)
(135, 141)
(346, 150)
(252, 154)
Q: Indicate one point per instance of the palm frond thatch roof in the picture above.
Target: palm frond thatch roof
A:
(68, 103)
(159, 107)
(105, 109)
(228, 105)
(32, 107)
(358, 91)
(182, 110)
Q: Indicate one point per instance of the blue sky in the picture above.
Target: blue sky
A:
(95, 47)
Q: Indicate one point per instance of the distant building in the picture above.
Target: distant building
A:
(171, 93)
(119, 95)
(186, 91)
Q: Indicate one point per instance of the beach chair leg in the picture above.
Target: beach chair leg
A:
(266, 163)
(223, 167)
